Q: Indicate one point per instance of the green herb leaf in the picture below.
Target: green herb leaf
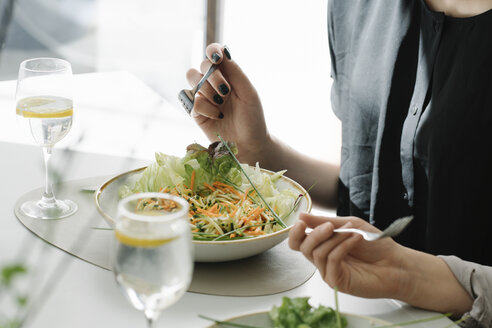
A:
(297, 312)
(277, 218)
(22, 301)
(10, 272)
(337, 309)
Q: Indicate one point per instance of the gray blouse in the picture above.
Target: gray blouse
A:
(477, 280)
(413, 90)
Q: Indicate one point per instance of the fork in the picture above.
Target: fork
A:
(187, 96)
(392, 230)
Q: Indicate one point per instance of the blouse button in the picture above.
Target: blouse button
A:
(405, 196)
(415, 110)
(436, 25)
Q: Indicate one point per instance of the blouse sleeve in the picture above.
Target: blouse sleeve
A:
(477, 280)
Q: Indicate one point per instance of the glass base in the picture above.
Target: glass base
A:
(57, 210)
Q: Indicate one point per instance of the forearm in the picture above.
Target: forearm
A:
(430, 284)
(307, 171)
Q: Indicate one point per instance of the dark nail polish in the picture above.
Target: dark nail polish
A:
(218, 99)
(221, 116)
(227, 52)
(223, 89)
(215, 57)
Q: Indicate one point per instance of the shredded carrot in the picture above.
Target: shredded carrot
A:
(257, 211)
(208, 186)
(243, 212)
(218, 183)
(253, 214)
(230, 205)
(214, 209)
(208, 213)
(254, 233)
(245, 195)
(138, 204)
(226, 188)
(235, 192)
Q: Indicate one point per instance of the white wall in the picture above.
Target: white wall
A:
(283, 47)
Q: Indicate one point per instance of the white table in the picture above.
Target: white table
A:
(83, 295)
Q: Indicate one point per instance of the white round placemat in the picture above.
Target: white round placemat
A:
(87, 236)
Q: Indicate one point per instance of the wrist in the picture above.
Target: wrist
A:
(427, 282)
(407, 277)
(269, 154)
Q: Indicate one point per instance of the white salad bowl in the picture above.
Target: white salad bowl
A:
(107, 197)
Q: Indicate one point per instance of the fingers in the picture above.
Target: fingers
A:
(333, 251)
(193, 76)
(226, 79)
(298, 232)
(337, 255)
(322, 246)
(320, 235)
(207, 101)
(230, 70)
(296, 235)
(217, 80)
(203, 107)
(313, 221)
(215, 53)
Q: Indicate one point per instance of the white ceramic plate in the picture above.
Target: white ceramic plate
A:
(208, 251)
(261, 319)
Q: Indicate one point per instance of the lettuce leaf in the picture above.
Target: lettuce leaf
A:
(211, 164)
(298, 313)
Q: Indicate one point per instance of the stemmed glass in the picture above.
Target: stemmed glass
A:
(152, 256)
(44, 108)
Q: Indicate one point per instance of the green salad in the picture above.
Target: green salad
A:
(298, 313)
(295, 313)
(228, 200)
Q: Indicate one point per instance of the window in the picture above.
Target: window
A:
(281, 45)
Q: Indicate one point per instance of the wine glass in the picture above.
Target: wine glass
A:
(153, 255)
(44, 108)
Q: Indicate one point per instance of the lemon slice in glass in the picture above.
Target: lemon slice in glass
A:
(142, 242)
(44, 107)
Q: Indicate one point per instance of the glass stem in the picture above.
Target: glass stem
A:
(151, 317)
(48, 198)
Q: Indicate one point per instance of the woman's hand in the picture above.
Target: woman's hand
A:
(346, 261)
(229, 105)
(378, 269)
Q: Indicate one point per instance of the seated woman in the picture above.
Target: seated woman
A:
(412, 86)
